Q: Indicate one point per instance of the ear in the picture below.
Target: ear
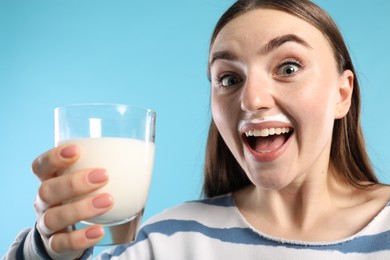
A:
(344, 94)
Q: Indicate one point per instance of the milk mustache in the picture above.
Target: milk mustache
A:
(129, 164)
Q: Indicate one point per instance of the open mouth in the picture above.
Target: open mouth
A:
(268, 139)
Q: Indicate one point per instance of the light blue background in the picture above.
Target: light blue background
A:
(147, 53)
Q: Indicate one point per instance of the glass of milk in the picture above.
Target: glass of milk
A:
(120, 139)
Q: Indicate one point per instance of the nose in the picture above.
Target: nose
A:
(256, 95)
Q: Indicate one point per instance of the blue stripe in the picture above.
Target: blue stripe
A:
(19, 252)
(246, 236)
(40, 248)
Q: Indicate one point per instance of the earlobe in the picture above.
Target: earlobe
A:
(345, 94)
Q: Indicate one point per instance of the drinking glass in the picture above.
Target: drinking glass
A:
(120, 139)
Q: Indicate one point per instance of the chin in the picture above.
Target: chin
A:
(267, 182)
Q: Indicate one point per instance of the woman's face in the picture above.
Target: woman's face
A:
(275, 94)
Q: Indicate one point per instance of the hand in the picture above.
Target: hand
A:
(54, 216)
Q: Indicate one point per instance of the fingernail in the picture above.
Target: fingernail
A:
(69, 151)
(94, 233)
(98, 176)
(103, 201)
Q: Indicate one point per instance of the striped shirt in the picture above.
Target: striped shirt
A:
(215, 229)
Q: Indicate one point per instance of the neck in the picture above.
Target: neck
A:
(301, 205)
(319, 208)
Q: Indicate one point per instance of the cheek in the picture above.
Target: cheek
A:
(318, 98)
(219, 113)
(224, 115)
(316, 116)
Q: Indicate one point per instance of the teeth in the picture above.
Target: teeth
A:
(267, 132)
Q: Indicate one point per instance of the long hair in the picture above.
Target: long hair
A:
(348, 156)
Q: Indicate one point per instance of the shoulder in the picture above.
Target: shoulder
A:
(370, 195)
(371, 204)
(379, 193)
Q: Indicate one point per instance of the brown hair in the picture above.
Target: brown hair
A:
(223, 174)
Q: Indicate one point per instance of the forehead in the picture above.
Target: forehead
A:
(261, 25)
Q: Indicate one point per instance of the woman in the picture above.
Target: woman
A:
(286, 173)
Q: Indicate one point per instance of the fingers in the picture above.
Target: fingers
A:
(54, 214)
(64, 200)
(54, 222)
(64, 246)
(48, 164)
(65, 187)
(58, 218)
(61, 243)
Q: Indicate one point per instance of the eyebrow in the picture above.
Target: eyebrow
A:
(270, 46)
(280, 40)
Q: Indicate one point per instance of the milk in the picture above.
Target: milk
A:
(129, 164)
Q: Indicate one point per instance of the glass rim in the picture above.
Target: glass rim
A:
(92, 104)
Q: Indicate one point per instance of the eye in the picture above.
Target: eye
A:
(228, 80)
(289, 68)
